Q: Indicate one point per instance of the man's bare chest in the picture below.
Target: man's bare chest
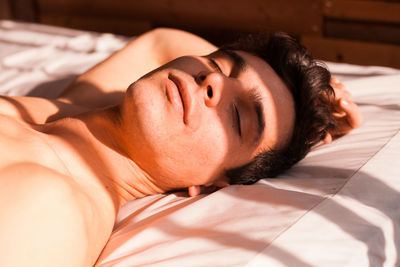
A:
(20, 143)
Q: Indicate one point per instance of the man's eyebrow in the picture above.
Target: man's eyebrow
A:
(238, 61)
(255, 99)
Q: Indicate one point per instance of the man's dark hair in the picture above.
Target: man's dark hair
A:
(309, 82)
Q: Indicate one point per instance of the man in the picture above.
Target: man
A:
(196, 122)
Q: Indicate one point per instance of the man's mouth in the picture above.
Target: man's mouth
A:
(173, 92)
(178, 95)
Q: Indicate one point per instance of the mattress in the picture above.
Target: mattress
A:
(337, 207)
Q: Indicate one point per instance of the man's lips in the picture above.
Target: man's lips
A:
(173, 93)
(178, 95)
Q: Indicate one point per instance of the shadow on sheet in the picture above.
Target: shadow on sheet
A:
(346, 218)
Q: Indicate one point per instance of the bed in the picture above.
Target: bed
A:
(337, 207)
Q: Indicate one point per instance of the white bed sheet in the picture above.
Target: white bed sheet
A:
(337, 207)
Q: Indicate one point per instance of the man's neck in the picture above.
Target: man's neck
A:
(90, 148)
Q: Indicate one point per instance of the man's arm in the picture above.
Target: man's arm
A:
(106, 83)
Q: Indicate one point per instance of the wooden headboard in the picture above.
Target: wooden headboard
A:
(365, 32)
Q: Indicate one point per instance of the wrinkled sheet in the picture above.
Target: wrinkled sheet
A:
(337, 207)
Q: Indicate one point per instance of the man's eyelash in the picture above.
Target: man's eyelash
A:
(215, 65)
(238, 120)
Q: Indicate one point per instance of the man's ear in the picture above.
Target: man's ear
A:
(194, 190)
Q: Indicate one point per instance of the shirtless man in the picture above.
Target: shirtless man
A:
(66, 168)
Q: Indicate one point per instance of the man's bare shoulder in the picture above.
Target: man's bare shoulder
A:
(24, 180)
(43, 209)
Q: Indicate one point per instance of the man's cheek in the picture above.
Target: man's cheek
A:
(217, 144)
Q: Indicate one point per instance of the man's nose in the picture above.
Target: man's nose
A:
(211, 84)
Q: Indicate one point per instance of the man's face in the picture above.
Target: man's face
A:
(190, 120)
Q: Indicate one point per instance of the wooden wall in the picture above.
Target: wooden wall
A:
(356, 31)
(365, 32)
(5, 10)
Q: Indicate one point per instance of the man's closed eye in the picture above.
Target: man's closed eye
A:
(215, 65)
(237, 119)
